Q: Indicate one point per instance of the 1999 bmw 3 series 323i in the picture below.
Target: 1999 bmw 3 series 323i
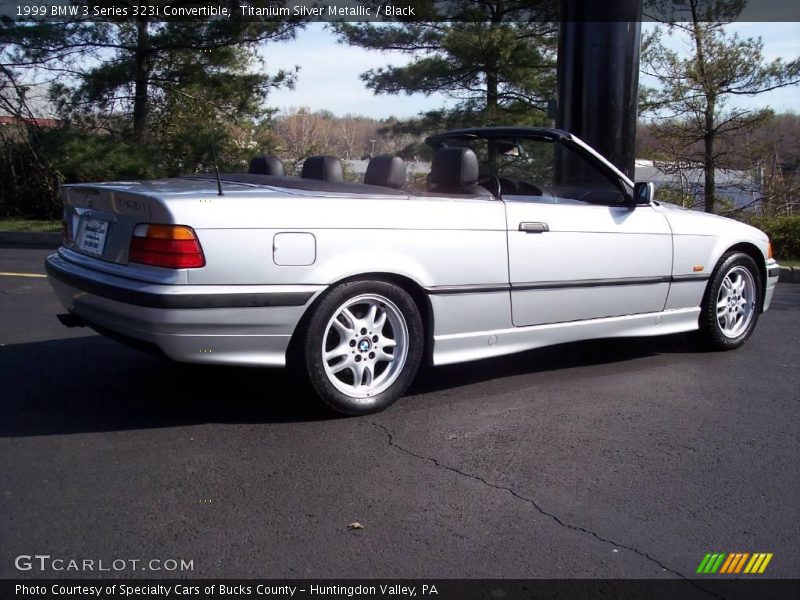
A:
(525, 237)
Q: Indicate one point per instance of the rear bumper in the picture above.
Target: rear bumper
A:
(246, 325)
(773, 273)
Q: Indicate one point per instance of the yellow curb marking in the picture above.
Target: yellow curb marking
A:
(34, 275)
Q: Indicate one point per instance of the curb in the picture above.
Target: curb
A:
(790, 275)
(30, 239)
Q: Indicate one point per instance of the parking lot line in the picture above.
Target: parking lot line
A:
(35, 275)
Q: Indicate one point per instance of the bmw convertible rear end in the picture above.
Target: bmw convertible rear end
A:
(130, 268)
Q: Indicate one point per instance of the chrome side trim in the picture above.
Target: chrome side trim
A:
(480, 288)
(567, 283)
(587, 283)
(691, 277)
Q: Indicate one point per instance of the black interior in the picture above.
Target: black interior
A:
(389, 171)
(455, 171)
(530, 164)
(297, 183)
(266, 165)
(324, 168)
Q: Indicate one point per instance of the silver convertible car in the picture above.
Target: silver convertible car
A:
(523, 237)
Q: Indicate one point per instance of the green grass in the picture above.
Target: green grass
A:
(13, 224)
(789, 262)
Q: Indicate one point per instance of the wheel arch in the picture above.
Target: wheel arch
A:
(412, 287)
(753, 252)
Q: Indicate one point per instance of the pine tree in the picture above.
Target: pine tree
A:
(694, 104)
(136, 68)
(496, 58)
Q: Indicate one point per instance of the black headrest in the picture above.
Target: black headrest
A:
(266, 165)
(385, 170)
(326, 168)
(454, 167)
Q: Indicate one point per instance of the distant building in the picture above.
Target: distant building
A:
(359, 167)
(740, 188)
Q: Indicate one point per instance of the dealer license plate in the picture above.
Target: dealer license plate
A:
(92, 236)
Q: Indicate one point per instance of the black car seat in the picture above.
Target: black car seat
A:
(455, 171)
(325, 168)
(266, 165)
(387, 171)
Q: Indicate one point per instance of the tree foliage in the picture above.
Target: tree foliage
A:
(136, 68)
(494, 57)
(299, 132)
(693, 108)
(134, 98)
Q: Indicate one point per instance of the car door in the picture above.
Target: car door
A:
(578, 251)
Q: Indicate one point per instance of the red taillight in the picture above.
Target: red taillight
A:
(170, 246)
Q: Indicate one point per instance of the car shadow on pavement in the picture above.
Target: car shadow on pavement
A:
(93, 384)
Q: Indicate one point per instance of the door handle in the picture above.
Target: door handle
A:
(533, 227)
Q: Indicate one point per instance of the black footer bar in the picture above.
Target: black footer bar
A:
(400, 589)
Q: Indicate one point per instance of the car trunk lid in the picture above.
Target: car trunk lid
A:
(99, 218)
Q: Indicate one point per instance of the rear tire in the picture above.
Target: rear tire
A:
(732, 303)
(363, 346)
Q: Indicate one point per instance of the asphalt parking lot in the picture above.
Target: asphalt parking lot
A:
(625, 458)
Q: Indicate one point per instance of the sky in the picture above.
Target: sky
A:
(329, 77)
(329, 73)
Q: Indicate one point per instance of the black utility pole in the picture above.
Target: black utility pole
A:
(598, 75)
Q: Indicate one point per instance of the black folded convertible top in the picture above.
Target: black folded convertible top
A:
(298, 183)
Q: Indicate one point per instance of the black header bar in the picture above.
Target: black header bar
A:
(389, 11)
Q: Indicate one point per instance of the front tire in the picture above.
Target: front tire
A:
(363, 346)
(732, 304)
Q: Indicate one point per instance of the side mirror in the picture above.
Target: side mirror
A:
(643, 192)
